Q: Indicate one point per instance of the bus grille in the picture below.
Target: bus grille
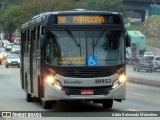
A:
(87, 72)
(97, 90)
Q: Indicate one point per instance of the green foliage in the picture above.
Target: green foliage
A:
(16, 14)
(108, 5)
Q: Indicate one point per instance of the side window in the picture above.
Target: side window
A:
(52, 53)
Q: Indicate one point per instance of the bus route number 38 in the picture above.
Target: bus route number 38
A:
(102, 81)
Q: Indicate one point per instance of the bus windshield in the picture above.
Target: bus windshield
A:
(85, 48)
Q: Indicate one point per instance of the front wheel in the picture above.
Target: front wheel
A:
(47, 104)
(29, 97)
(107, 104)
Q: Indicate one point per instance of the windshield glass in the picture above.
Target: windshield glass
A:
(85, 48)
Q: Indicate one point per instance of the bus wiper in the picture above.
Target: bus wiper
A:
(72, 36)
(99, 37)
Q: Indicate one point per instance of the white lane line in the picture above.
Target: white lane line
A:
(131, 110)
(139, 94)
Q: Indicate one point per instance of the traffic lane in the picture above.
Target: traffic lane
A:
(142, 74)
(14, 98)
(142, 97)
(143, 77)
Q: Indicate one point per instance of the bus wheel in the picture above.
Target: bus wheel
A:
(29, 97)
(47, 104)
(107, 104)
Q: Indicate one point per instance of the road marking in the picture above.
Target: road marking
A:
(131, 110)
(139, 94)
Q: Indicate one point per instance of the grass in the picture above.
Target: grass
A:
(153, 42)
(134, 26)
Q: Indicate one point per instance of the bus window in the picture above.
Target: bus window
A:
(52, 53)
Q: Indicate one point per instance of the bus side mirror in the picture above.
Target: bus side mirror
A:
(128, 40)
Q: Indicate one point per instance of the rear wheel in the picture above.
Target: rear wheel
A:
(107, 104)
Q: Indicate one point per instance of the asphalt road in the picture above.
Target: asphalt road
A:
(143, 77)
(138, 98)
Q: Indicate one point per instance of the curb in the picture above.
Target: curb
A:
(153, 83)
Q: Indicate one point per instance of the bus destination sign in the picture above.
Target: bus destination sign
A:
(74, 20)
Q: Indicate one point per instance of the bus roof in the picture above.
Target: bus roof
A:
(44, 16)
(75, 11)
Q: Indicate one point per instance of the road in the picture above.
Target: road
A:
(12, 98)
(143, 74)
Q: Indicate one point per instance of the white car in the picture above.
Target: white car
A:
(12, 60)
(156, 62)
(148, 54)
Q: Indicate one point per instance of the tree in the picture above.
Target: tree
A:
(17, 12)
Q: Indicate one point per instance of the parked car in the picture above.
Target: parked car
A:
(1, 58)
(148, 54)
(143, 64)
(15, 49)
(156, 62)
(3, 52)
(12, 60)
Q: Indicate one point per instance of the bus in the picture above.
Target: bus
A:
(76, 55)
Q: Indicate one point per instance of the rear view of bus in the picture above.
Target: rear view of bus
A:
(82, 57)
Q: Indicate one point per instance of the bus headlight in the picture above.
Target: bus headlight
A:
(115, 84)
(57, 84)
(51, 80)
(122, 78)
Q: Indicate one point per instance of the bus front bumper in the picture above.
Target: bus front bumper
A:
(53, 93)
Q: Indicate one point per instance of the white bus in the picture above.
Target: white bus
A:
(74, 55)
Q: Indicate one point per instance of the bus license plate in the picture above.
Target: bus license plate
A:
(87, 92)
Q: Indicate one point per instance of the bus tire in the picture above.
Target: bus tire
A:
(107, 104)
(29, 97)
(47, 104)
